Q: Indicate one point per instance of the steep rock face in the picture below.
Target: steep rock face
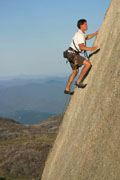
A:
(87, 146)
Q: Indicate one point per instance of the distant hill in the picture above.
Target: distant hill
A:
(32, 99)
(28, 117)
(24, 149)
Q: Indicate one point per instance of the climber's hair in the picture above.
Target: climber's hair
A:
(81, 22)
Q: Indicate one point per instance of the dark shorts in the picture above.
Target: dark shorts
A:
(73, 57)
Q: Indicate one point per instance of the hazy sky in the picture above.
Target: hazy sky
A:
(34, 33)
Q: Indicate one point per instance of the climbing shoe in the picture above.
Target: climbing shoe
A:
(69, 92)
(94, 52)
(80, 85)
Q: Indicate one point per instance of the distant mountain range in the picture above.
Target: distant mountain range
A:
(31, 100)
(27, 117)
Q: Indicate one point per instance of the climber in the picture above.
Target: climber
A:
(78, 45)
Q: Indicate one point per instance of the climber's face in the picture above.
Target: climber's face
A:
(84, 27)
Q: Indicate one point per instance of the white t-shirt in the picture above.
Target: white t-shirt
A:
(78, 38)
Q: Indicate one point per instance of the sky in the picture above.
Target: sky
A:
(34, 33)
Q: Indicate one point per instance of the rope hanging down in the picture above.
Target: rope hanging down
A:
(64, 108)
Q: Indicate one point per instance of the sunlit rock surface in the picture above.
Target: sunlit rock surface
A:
(88, 143)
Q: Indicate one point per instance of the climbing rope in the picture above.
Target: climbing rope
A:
(65, 104)
(87, 56)
(64, 108)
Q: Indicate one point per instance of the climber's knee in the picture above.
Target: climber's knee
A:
(87, 64)
(76, 71)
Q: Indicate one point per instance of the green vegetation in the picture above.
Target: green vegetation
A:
(24, 149)
(29, 139)
(12, 177)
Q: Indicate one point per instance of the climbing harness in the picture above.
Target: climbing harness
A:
(65, 54)
(78, 51)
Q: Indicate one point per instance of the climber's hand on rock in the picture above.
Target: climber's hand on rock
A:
(94, 48)
(97, 32)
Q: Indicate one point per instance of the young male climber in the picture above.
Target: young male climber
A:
(77, 46)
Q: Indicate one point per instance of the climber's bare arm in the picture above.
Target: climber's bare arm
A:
(84, 48)
(91, 35)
